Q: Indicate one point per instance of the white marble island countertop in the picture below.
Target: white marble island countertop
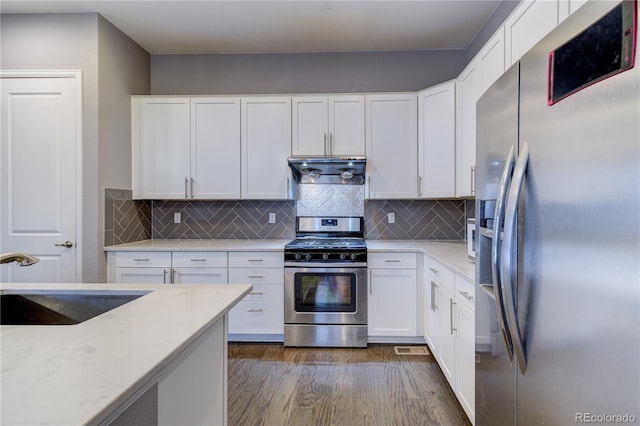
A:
(79, 374)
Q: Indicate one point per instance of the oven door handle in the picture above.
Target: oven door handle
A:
(326, 265)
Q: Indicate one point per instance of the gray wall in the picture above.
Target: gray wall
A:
(75, 41)
(303, 72)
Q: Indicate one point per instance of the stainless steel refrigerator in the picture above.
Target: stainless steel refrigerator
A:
(558, 224)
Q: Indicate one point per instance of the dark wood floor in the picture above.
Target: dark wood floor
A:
(272, 385)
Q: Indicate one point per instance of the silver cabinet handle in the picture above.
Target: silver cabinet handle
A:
(326, 151)
(392, 260)
(255, 310)
(255, 260)
(508, 269)
(466, 295)
(197, 260)
(173, 276)
(419, 186)
(191, 187)
(139, 259)
(434, 270)
(186, 188)
(67, 244)
(434, 306)
(496, 243)
(164, 276)
(451, 303)
(473, 180)
(331, 147)
(256, 293)
(255, 276)
(370, 284)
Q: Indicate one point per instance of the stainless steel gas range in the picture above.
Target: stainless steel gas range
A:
(325, 288)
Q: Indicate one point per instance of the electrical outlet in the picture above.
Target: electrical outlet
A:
(272, 218)
(177, 217)
(391, 217)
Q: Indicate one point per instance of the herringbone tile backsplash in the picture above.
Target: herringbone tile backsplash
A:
(127, 220)
(224, 219)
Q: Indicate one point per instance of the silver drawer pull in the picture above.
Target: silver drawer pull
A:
(198, 260)
(255, 276)
(392, 260)
(465, 294)
(141, 260)
(257, 293)
(255, 310)
(255, 260)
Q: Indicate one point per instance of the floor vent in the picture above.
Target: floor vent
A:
(411, 350)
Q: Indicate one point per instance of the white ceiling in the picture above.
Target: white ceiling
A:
(206, 26)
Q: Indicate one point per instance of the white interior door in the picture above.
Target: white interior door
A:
(40, 158)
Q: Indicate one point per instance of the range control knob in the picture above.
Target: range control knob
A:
(325, 256)
(343, 256)
(297, 256)
(353, 256)
(307, 256)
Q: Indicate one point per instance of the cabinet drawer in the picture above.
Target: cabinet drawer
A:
(143, 259)
(257, 317)
(465, 292)
(391, 260)
(195, 259)
(265, 292)
(265, 259)
(256, 275)
(441, 273)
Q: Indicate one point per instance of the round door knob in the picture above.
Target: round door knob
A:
(67, 244)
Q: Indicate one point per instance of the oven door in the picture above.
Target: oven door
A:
(325, 295)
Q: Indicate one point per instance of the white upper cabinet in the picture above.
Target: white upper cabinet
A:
(185, 148)
(568, 7)
(160, 129)
(436, 141)
(266, 145)
(491, 58)
(215, 148)
(392, 148)
(527, 25)
(468, 92)
(328, 126)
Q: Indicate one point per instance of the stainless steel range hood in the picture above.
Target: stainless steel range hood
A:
(328, 170)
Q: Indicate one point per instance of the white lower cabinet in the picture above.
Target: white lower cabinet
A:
(392, 301)
(262, 310)
(450, 329)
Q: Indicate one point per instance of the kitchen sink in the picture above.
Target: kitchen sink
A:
(60, 307)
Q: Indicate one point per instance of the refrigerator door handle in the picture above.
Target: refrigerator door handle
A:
(507, 267)
(498, 215)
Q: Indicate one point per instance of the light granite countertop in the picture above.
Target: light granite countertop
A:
(451, 253)
(79, 374)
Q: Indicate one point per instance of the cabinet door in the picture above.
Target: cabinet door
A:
(310, 118)
(465, 374)
(432, 314)
(437, 142)
(215, 148)
(346, 126)
(392, 146)
(266, 145)
(492, 59)
(392, 306)
(160, 135)
(469, 91)
(199, 276)
(446, 344)
(142, 275)
(527, 25)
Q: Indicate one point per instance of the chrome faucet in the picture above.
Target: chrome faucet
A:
(22, 258)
